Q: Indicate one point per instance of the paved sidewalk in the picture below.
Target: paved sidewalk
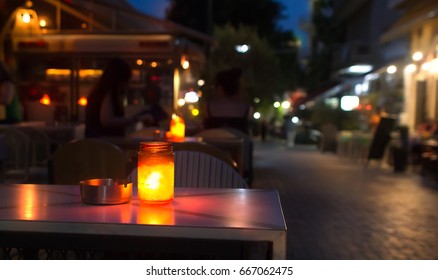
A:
(338, 209)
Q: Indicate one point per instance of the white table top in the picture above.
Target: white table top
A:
(238, 214)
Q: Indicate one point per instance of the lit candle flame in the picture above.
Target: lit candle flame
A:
(83, 101)
(177, 127)
(45, 99)
(153, 181)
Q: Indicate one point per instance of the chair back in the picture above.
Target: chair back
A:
(206, 148)
(237, 143)
(87, 159)
(16, 163)
(201, 169)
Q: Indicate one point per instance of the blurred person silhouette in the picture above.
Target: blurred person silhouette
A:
(9, 97)
(227, 108)
(105, 111)
(152, 96)
(264, 129)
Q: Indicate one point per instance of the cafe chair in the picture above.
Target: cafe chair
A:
(39, 153)
(87, 159)
(235, 142)
(206, 148)
(16, 162)
(199, 169)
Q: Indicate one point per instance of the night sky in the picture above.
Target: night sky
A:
(295, 9)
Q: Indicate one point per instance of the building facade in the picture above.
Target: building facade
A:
(420, 69)
(60, 48)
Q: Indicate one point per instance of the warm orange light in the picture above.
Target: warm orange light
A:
(156, 215)
(45, 100)
(155, 172)
(83, 101)
(177, 127)
(195, 112)
(43, 23)
(26, 18)
(154, 64)
(185, 62)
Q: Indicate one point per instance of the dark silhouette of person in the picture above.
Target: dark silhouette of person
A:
(227, 108)
(105, 111)
(9, 97)
(152, 96)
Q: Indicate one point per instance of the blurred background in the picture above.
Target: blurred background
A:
(309, 62)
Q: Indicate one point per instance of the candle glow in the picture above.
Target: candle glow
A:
(177, 127)
(155, 173)
(45, 100)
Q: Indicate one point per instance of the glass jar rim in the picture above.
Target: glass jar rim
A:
(155, 146)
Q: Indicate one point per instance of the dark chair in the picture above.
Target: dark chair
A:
(87, 159)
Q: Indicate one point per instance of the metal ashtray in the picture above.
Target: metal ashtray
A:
(106, 191)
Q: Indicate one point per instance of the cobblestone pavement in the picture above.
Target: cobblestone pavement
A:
(338, 209)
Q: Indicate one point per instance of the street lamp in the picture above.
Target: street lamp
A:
(242, 48)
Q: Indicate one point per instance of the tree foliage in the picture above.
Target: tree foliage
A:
(261, 17)
(327, 32)
(260, 65)
(203, 15)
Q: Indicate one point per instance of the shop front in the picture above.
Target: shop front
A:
(56, 68)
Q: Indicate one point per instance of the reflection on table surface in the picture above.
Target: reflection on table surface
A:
(191, 206)
(233, 214)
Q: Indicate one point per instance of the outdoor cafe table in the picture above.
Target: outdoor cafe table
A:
(30, 213)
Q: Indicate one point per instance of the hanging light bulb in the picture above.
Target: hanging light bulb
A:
(45, 100)
(185, 64)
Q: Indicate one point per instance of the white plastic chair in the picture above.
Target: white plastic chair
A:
(234, 141)
(200, 170)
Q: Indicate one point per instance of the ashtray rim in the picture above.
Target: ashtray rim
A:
(110, 191)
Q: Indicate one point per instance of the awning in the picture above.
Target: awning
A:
(408, 22)
(328, 90)
(334, 90)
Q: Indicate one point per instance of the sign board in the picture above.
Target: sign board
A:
(381, 138)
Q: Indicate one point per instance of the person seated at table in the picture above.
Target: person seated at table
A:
(227, 107)
(152, 96)
(105, 111)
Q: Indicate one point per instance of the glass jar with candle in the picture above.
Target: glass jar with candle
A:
(156, 172)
